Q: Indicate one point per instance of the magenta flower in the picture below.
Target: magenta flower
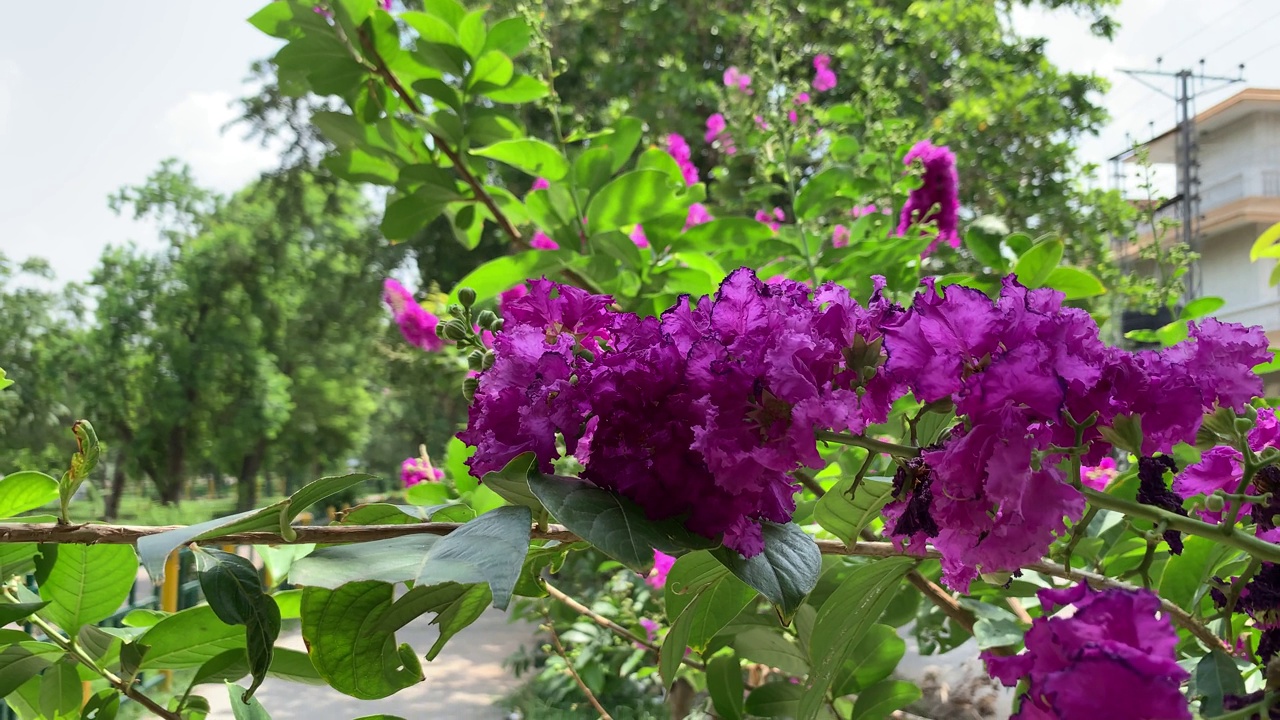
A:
(678, 148)
(792, 117)
(650, 631)
(543, 241)
(735, 78)
(823, 79)
(802, 98)
(539, 184)
(511, 295)
(698, 214)
(1221, 468)
(860, 210)
(1100, 475)
(1113, 659)
(937, 200)
(386, 4)
(416, 324)
(715, 126)
(773, 220)
(839, 236)
(662, 562)
(414, 470)
(638, 237)
(760, 122)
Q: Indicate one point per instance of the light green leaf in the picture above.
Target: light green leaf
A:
(490, 549)
(785, 573)
(188, 639)
(1215, 676)
(1267, 244)
(1201, 307)
(471, 33)
(426, 494)
(521, 89)
(674, 645)
(845, 517)
(349, 647)
(722, 233)
(871, 660)
(1036, 264)
(769, 646)
(883, 698)
(26, 490)
(493, 68)
(510, 37)
(512, 482)
(504, 273)
(774, 700)
(1075, 283)
(84, 584)
(242, 710)
(613, 524)
(1186, 576)
(533, 156)
(633, 198)
(60, 692)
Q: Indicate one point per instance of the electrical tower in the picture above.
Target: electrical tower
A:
(1187, 148)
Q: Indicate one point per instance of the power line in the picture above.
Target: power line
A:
(1242, 33)
(1198, 31)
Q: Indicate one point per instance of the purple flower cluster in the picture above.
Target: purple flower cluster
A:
(735, 78)
(1113, 659)
(937, 200)
(678, 148)
(699, 414)
(824, 78)
(1221, 468)
(1012, 368)
(416, 324)
(415, 470)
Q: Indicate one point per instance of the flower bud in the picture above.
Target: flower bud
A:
(1243, 425)
(467, 296)
(497, 325)
(455, 330)
(1214, 503)
(469, 387)
(488, 361)
(1251, 412)
(486, 319)
(440, 331)
(455, 310)
(475, 360)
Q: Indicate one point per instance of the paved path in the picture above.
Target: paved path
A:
(462, 683)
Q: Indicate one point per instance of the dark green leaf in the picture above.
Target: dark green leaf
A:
(843, 620)
(845, 517)
(26, 490)
(60, 692)
(1186, 576)
(613, 524)
(985, 247)
(511, 483)
(774, 700)
(1215, 676)
(225, 667)
(883, 698)
(674, 645)
(533, 156)
(833, 185)
(105, 704)
(15, 611)
(724, 683)
(1075, 283)
(19, 664)
(392, 560)
(350, 650)
(85, 584)
(634, 198)
(489, 549)
(233, 589)
(871, 660)
(17, 559)
(769, 646)
(785, 573)
(1035, 265)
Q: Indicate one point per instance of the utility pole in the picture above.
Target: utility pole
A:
(1187, 153)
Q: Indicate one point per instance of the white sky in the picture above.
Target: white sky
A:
(130, 83)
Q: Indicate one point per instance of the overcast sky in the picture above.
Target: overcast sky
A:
(128, 84)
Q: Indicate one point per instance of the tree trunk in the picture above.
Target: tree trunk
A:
(111, 506)
(247, 481)
(175, 468)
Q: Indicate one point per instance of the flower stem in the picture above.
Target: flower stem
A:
(1258, 709)
(871, 444)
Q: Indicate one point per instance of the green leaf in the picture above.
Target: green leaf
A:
(154, 549)
(633, 198)
(393, 560)
(294, 666)
(985, 247)
(426, 494)
(832, 184)
(471, 33)
(1035, 265)
(768, 646)
(845, 517)
(512, 482)
(18, 664)
(225, 667)
(671, 653)
(1216, 676)
(15, 611)
(358, 166)
(785, 573)
(774, 700)
(233, 589)
(533, 156)
(723, 233)
(188, 639)
(493, 68)
(613, 524)
(688, 576)
(714, 607)
(871, 660)
(521, 89)
(843, 620)
(503, 273)
(243, 709)
(1201, 307)
(84, 584)
(1075, 283)
(1186, 576)
(26, 490)
(432, 28)
(17, 559)
(724, 683)
(105, 704)
(489, 549)
(510, 37)
(276, 20)
(456, 606)
(1267, 244)
(348, 646)
(60, 692)
(622, 142)
(884, 698)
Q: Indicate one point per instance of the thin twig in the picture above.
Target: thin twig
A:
(1016, 606)
(610, 625)
(555, 638)
(809, 482)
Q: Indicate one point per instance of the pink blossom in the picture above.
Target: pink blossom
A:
(760, 123)
(539, 184)
(638, 237)
(415, 470)
(678, 148)
(859, 211)
(840, 236)
(416, 324)
(698, 214)
(715, 126)
(937, 199)
(650, 631)
(733, 77)
(386, 4)
(774, 220)
(802, 98)
(662, 563)
(824, 79)
(1098, 476)
(791, 116)
(543, 241)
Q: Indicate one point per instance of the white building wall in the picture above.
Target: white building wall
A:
(1227, 273)
(1240, 160)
